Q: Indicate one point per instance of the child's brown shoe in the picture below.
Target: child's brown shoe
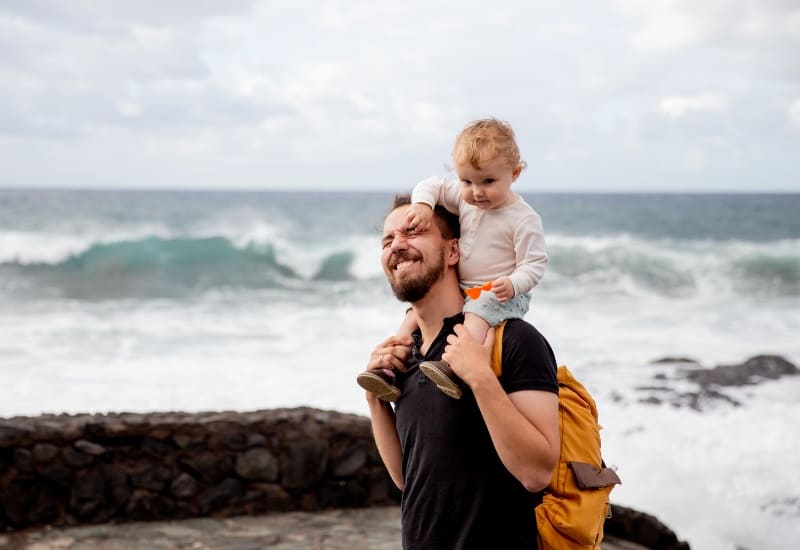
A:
(381, 383)
(443, 376)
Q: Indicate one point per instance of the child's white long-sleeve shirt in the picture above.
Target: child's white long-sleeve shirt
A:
(494, 243)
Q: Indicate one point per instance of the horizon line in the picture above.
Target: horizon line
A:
(346, 190)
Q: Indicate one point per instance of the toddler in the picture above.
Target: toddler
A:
(502, 249)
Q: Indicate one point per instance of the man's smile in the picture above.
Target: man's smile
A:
(403, 260)
(404, 264)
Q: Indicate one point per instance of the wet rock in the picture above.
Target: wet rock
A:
(235, 441)
(753, 371)
(13, 432)
(77, 459)
(89, 448)
(156, 448)
(58, 473)
(184, 486)
(348, 461)
(668, 359)
(209, 466)
(153, 477)
(304, 463)
(23, 460)
(712, 381)
(634, 526)
(16, 500)
(144, 505)
(223, 494)
(257, 464)
(44, 452)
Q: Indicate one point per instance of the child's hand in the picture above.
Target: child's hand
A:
(503, 289)
(419, 216)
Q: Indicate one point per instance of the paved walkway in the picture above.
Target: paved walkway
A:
(372, 528)
(360, 529)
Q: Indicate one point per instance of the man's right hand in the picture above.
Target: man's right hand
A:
(392, 353)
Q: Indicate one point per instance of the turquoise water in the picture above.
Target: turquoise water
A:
(170, 244)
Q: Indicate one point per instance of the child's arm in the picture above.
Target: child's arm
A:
(531, 255)
(436, 190)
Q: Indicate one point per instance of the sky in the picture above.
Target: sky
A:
(604, 95)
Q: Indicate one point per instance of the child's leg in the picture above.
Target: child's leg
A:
(476, 326)
(409, 324)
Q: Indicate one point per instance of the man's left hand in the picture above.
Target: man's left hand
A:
(469, 359)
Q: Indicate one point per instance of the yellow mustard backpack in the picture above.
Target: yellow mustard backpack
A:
(576, 503)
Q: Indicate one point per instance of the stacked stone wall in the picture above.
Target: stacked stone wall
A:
(67, 470)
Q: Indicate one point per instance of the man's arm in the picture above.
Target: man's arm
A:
(523, 425)
(384, 431)
(391, 353)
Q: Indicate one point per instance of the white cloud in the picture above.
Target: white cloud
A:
(681, 24)
(130, 109)
(794, 113)
(677, 106)
(369, 94)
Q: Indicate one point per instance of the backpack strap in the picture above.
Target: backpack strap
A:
(497, 349)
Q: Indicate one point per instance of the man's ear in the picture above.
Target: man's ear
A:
(452, 253)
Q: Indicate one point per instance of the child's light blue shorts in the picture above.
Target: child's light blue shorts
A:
(488, 308)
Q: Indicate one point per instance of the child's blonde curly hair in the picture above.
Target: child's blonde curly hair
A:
(485, 139)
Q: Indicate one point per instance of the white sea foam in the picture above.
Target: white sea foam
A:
(48, 247)
(243, 352)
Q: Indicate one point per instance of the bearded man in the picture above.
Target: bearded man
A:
(471, 470)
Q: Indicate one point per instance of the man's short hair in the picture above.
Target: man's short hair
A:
(447, 221)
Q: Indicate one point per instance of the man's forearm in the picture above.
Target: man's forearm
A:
(384, 430)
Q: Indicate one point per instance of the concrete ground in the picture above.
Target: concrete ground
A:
(358, 529)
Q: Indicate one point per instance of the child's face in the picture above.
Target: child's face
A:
(489, 186)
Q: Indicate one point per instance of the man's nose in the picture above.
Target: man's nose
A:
(400, 241)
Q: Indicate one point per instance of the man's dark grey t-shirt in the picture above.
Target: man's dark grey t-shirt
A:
(458, 495)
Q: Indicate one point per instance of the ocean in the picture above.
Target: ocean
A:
(156, 301)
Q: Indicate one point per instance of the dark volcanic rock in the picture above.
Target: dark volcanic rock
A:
(753, 371)
(631, 525)
(257, 464)
(663, 360)
(710, 382)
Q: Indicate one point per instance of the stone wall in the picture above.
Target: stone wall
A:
(67, 470)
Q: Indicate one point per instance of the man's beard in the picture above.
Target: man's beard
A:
(414, 289)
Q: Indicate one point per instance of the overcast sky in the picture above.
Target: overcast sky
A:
(605, 95)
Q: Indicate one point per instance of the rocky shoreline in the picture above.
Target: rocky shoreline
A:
(689, 384)
(67, 478)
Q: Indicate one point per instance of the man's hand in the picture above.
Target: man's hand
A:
(503, 289)
(391, 354)
(468, 358)
(419, 216)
